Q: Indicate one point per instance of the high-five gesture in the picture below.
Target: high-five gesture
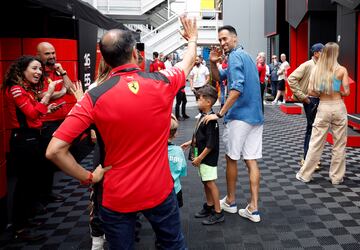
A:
(189, 32)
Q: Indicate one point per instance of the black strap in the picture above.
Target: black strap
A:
(126, 70)
(197, 125)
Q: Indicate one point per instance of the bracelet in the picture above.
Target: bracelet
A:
(192, 41)
(219, 115)
(88, 181)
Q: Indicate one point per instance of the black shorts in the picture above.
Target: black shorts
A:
(281, 85)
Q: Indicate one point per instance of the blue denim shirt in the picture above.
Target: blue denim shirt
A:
(242, 75)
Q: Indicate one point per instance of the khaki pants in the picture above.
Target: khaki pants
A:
(330, 115)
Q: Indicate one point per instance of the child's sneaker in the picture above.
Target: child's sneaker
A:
(230, 208)
(253, 216)
(214, 218)
(205, 211)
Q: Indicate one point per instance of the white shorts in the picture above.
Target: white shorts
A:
(241, 138)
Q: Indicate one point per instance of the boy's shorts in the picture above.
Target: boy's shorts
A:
(207, 173)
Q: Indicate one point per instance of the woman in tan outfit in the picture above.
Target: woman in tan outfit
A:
(325, 81)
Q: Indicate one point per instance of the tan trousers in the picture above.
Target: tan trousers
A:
(330, 115)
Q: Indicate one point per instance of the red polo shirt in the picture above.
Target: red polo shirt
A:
(157, 65)
(131, 111)
(69, 99)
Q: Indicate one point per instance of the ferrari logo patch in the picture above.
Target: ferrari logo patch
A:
(134, 86)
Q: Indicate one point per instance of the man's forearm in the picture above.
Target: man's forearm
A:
(189, 57)
(67, 82)
(214, 72)
(58, 153)
(233, 96)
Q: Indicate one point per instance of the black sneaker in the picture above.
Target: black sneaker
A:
(214, 218)
(186, 116)
(28, 235)
(205, 211)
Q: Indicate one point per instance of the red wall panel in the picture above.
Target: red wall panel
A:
(66, 49)
(357, 107)
(4, 66)
(299, 47)
(10, 48)
(350, 101)
(71, 68)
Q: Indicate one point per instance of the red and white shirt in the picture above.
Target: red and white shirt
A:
(18, 98)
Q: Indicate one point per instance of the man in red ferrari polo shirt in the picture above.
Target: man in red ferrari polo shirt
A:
(131, 111)
(157, 64)
(62, 95)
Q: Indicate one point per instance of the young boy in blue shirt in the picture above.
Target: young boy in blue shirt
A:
(177, 160)
(206, 143)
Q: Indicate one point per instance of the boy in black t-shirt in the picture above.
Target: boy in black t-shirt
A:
(206, 142)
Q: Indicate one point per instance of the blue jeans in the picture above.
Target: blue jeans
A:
(165, 220)
(310, 112)
(274, 86)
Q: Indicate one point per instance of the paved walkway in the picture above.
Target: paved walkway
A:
(295, 215)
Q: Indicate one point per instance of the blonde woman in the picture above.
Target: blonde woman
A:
(326, 81)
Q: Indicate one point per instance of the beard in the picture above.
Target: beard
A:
(197, 64)
(50, 62)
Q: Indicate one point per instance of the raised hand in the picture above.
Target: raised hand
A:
(215, 54)
(77, 90)
(189, 32)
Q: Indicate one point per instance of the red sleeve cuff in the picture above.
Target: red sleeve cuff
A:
(58, 134)
(42, 108)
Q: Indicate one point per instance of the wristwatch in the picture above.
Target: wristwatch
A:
(219, 115)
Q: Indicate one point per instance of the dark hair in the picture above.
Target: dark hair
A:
(15, 74)
(156, 54)
(117, 51)
(229, 28)
(173, 126)
(208, 92)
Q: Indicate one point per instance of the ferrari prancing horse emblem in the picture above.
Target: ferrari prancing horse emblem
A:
(133, 86)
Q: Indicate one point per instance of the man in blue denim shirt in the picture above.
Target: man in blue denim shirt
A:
(243, 119)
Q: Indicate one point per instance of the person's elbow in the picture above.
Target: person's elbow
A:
(53, 150)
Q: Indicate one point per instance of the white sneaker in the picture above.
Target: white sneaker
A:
(298, 177)
(98, 243)
(253, 216)
(230, 208)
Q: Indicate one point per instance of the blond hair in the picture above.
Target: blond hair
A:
(173, 126)
(103, 72)
(323, 74)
